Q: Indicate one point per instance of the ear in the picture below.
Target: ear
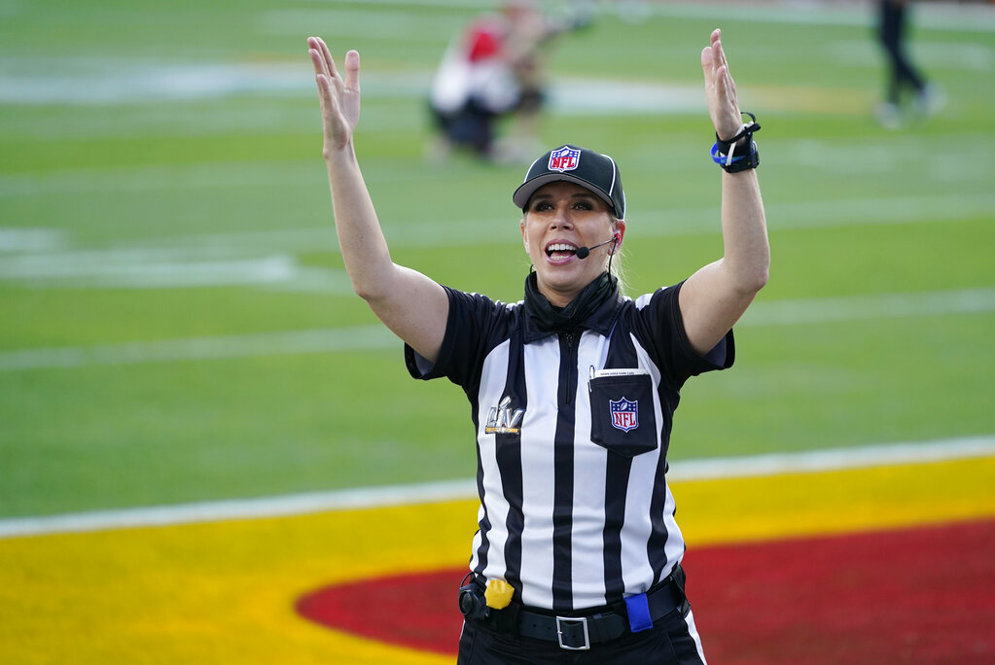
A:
(525, 240)
(619, 231)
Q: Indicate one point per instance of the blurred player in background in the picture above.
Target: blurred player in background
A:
(903, 76)
(494, 69)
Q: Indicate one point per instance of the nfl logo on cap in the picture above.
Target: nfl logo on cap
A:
(570, 163)
(564, 159)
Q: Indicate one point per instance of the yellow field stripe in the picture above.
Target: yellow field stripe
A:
(224, 592)
(800, 504)
(212, 593)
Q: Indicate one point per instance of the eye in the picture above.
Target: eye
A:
(541, 205)
(583, 204)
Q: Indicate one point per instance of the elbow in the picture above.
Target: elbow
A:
(756, 273)
(747, 272)
(367, 285)
(750, 282)
(372, 284)
(761, 278)
(367, 292)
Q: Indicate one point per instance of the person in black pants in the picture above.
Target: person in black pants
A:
(902, 74)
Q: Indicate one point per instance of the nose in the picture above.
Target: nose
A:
(561, 217)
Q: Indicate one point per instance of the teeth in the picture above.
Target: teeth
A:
(561, 247)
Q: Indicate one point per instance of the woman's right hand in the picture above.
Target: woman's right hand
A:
(339, 99)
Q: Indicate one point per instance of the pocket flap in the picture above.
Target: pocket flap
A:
(623, 417)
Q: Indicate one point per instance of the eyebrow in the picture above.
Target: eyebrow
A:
(576, 195)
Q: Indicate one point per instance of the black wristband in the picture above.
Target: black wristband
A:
(724, 150)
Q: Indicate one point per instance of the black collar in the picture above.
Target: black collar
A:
(594, 308)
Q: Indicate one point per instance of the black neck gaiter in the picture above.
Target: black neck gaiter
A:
(550, 318)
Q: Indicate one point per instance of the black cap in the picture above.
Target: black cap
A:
(584, 167)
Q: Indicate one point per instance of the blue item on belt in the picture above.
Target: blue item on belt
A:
(638, 609)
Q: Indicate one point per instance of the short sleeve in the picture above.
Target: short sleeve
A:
(474, 327)
(660, 328)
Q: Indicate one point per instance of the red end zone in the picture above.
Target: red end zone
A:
(920, 596)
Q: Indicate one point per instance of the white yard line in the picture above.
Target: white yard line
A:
(834, 459)
(371, 497)
(868, 307)
(289, 342)
(46, 257)
(938, 16)
(378, 338)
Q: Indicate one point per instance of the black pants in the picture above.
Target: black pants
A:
(669, 643)
(471, 127)
(891, 32)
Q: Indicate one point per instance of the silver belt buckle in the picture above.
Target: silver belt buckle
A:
(560, 621)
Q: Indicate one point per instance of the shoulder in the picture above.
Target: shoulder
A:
(477, 305)
(654, 314)
(656, 322)
(476, 325)
(662, 299)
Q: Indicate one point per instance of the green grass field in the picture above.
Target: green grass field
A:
(175, 324)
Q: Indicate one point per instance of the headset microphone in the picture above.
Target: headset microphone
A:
(584, 252)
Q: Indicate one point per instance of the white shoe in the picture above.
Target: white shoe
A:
(931, 100)
(889, 115)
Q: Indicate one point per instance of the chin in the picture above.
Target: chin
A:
(560, 279)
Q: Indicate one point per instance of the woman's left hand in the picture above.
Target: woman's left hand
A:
(720, 89)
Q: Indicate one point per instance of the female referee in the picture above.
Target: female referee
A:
(572, 390)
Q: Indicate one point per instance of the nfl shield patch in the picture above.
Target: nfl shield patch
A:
(564, 159)
(625, 414)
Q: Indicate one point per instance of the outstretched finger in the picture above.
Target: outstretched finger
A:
(314, 50)
(720, 54)
(326, 96)
(352, 71)
(725, 86)
(709, 64)
(324, 64)
(326, 53)
(318, 62)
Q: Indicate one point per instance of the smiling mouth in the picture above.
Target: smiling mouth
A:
(560, 250)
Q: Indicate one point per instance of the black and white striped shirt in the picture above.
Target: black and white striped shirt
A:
(572, 437)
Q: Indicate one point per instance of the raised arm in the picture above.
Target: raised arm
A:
(715, 296)
(408, 302)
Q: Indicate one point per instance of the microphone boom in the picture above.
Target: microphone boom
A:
(584, 252)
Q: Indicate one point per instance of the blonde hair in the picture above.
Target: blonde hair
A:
(615, 266)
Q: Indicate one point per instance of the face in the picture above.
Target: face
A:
(560, 218)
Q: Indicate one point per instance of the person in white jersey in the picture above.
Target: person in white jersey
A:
(572, 390)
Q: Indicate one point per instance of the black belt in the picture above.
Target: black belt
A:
(578, 632)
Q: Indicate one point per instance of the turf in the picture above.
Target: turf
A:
(161, 181)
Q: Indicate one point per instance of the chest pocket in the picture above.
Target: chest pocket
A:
(623, 418)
